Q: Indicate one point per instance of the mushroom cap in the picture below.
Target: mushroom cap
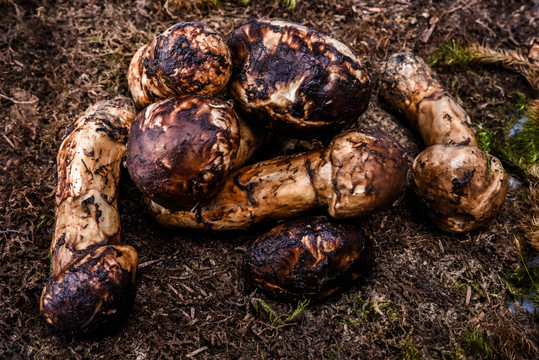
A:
(95, 292)
(368, 172)
(312, 257)
(295, 80)
(181, 150)
(188, 57)
(459, 188)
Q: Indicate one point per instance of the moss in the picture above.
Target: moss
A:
(516, 142)
(521, 283)
(370, 310)
(476, 342)
(519, 148)
(275, 318)
(44, 220)
(409, 350)
(452, 53)
(288, 4)
(485, 138)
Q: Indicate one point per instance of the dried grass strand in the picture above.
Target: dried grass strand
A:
(530, 223)
(510, 59)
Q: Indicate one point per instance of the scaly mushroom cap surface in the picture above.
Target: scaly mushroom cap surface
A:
(181, 150)
(296, 80)
(308, 258)
(188, 57)
(93, 293)
(460, 188)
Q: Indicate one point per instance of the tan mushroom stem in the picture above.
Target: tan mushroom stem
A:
(358, 173)
(93, 275)
(411, 86)
(459, 186)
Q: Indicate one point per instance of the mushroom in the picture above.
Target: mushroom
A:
(312, 257)
(459, 186)
(189, 57)
(92, 283)
(180, 150)
(295, 80)
(358, 173)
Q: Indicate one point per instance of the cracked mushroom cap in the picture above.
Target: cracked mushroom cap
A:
(312, 257)
(459, 188)
(295, 80)
(182, 149)
(189, 57)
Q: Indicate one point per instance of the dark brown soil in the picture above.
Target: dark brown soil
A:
(427, 290)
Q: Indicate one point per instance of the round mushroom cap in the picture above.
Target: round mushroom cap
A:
(368, 172)
(295, 80)
(459, 188)
(189, 57)
(93, 293)
(181, 150)
(312, 257)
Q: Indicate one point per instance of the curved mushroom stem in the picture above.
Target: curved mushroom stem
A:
(358, 173)
(93, 276)
(410, 85)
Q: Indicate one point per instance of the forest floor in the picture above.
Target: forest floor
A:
(430, 294)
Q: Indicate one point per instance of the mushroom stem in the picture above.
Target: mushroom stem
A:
(411, 86)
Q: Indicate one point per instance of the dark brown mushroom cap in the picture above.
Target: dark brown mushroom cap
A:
(312, 257)
(296, 80)
(189, 57)
(181, 150)
(459, 188)
(95, 292)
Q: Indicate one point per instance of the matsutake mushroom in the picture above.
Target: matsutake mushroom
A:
(312, 257)
(189, 57)
(181, 150)
(295, 80)
(92, 283)
(358, 173)
(459, 186)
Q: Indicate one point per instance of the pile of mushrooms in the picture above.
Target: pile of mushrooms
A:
(187, 151)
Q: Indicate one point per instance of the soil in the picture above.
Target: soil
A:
(429, 291)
